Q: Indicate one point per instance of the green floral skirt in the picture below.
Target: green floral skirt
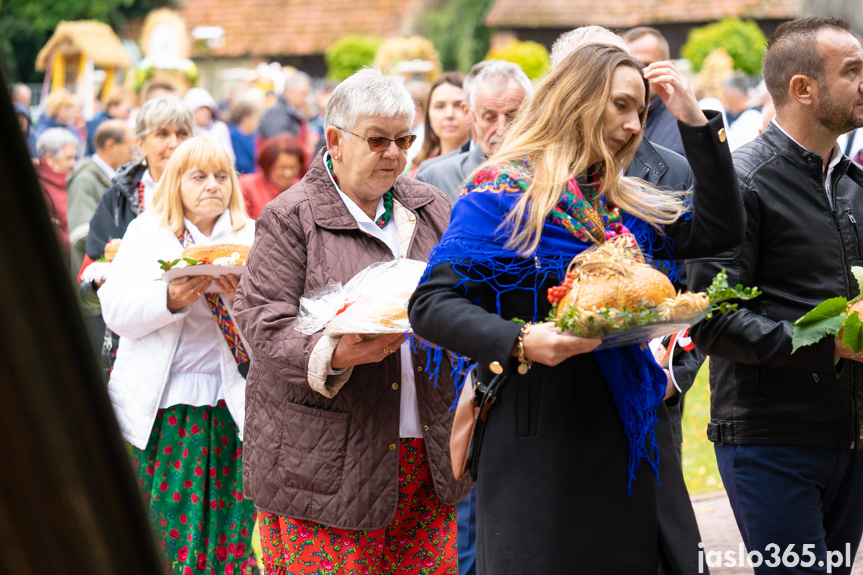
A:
(190, 478)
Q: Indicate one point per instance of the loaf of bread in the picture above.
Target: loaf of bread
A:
(638, 286)
(111, 249)
(219, 254)
(382, 312)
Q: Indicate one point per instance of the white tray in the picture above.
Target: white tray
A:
(211, 270)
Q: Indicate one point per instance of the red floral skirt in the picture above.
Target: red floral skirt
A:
(190, 478)
(421, 540)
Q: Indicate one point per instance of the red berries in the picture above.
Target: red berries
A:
(557, 293)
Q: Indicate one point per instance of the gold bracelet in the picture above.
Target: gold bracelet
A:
(523, 363)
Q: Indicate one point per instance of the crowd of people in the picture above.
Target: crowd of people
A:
(337, 447)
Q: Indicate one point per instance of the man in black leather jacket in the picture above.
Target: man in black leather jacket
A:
(788, 426)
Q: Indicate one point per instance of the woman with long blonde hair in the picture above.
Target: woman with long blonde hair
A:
(540, 134)
(572, 455)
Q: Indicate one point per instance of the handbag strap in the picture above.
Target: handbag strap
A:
(223, 318)
(485, 395)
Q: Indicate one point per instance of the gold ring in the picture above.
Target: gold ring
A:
(387, 350)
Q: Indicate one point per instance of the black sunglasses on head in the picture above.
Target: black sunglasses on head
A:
(380, 143)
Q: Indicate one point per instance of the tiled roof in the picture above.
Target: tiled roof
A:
(292, 27)
(629, 13)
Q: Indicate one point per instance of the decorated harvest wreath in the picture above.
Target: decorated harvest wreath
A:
(611, 288)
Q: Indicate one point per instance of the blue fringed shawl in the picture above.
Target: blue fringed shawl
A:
(475, 240)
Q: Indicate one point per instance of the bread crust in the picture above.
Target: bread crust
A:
(111, 249)
(216, 251)
(639, 287)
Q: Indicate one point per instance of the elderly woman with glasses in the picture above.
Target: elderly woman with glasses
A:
(346, 438)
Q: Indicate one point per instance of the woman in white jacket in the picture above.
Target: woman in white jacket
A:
(177, 386)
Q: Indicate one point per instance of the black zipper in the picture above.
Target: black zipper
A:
(853, 397)
(854, 409)
(854, 227)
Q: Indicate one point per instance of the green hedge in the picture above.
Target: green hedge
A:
(531, 56)
(743, 40)
(350, 53)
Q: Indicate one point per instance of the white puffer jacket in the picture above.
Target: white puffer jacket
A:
(134, 305)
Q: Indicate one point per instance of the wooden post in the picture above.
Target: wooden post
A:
(82, 68)
(58, 76)
(108, 86)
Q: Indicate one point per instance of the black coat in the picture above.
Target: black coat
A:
(117, 208)
(798, 249)
(552, 490)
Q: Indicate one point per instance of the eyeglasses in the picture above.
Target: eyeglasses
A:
(380, 143)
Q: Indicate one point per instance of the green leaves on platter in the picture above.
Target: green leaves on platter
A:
(719, 292)
(610, 320)
(830, 318)
(165, 266)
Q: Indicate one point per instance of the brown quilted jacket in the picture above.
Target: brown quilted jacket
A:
(307, 456)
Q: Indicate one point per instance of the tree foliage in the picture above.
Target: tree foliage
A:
(531, 56)
(456, 30)
(743, 40)
(350, 53)
(26, 25)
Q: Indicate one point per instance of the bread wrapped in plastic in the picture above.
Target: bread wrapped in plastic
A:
(374, 302)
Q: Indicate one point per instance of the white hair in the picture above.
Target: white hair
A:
(161, 113)
(369, 93)
(471, 77)
(296, 81)
(53, 140)
(498, 73)
(569, 41)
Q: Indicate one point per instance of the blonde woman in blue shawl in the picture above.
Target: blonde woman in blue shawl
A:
(577, 454)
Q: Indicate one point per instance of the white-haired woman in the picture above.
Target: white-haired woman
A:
(57, 149)
(161, 125)
(177, 385)
(346, 438)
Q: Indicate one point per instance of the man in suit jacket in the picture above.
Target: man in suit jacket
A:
(494, 99)
(669, 170)
(648, 45)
